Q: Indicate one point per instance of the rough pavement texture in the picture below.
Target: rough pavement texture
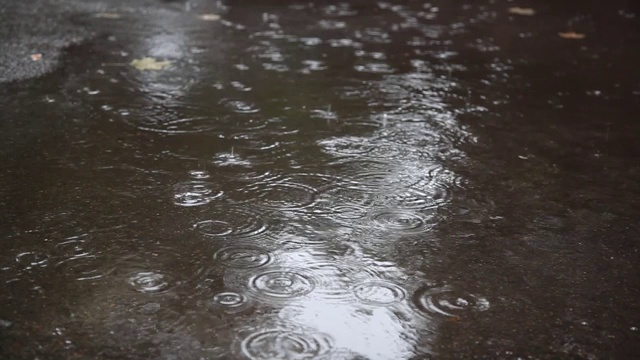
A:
(47, 27)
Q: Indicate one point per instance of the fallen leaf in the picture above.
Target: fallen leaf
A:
(571, 35)
(36, 57)
(210, 17)
(149, 63)
(454, 318)
(522, 11)
(108, 15)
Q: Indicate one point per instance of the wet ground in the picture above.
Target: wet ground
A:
(319, 180)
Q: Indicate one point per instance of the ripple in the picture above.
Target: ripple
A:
(240, 107)
(238, 223)
(168, 119)
(244, 257)
(334, 281)
(379, 293)
(347, 146)
(230, 159)
(229, 299)
(404, 221)
(294, 344)
(30, 259)
(149, 282)
(375, 68)
(282, 284)
(282, 195)
(148, 267)
(411, 198)
(348, 212)
(195, 193)
(448, 302)
(83, 267)
(369, 174)
(199, 174)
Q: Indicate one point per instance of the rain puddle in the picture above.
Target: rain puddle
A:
(324, 180)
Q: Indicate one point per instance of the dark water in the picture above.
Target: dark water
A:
(327, 180)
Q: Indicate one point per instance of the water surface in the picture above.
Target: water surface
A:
(326, 180)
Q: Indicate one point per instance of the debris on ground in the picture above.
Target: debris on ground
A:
(571, 35)
(210, 17)
(522, 11)
(149, 63)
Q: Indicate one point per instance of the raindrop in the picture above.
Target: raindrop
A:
(83, 267)
(311, 41)
(404, 221)
(375, 68)
(240, 86)
(199, 174)
(168, 124)
(282, 284)
(334, 281)
(194, 193)
(230, 159)
(285, 344)
(235, 223)
(241, 107)
(347, 146)
(229, 299)
(148, 282)
(282, 195)
(32, 259)
(348, 212)
(244, 257)
(448, 302)
(411, 198)
(379, 293)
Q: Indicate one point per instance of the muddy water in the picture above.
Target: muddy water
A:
(328, 180)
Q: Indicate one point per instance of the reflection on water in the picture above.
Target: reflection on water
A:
(305, 181)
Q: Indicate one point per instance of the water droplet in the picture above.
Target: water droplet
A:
(401, 220)
(379, 293)
(282, 284)
(244, 257)
(349, 212)
(334, 280)
(31, 259)
(347, 146)
(148, 282)
(83, 267)
(195, 193)
(446, 301)
(199, 174)
(375, 68)
(282, 195)
(236, 223)
(168, 123)
(240, 107)
(285, 344)
(229, 299)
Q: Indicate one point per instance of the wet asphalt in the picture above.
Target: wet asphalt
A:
(319, 180)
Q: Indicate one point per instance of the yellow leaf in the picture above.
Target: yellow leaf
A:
(36, 57)
(149, 63)
(210, 17)
(107, 15)
(522, 11)
(571, 35)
